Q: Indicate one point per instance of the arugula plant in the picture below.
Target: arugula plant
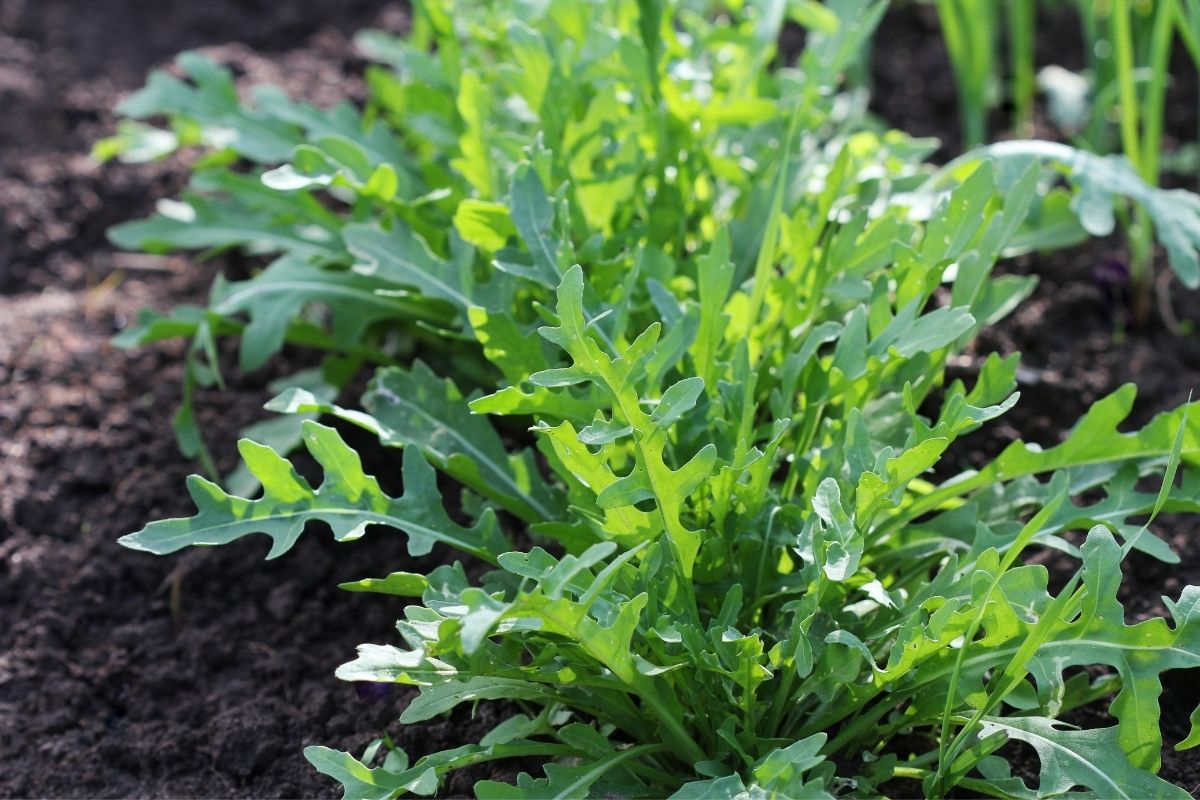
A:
(361, 209)
(717, 564)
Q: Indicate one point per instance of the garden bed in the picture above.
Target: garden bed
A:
(107, 687)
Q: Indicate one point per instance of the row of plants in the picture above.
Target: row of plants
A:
(673, 317)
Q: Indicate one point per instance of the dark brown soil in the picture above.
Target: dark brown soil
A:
(103, 691)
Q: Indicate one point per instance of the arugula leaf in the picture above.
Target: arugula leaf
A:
(652, 477)
(1089, 758)
(400, 257)
(1098, 181)
(289, 285)
(348, 501)
(413, 407)
(360, 783)
(211, 100)
(199, 222)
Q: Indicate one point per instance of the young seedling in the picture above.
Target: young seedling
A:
(1129, 47)
(1141, 131)
(1129, 50)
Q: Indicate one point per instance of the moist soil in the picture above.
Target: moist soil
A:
(114, 684)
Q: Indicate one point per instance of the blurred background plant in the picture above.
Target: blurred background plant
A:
(1115, 105)
(972, 33)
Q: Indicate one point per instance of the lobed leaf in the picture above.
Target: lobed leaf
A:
(348, 501)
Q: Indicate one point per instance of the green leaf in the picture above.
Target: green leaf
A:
(400, 257)
(136, 143)
(1095, 439)
(199, 222)
(561, 782)
(507, 344)
(1099, 180)
(716, 272)
(475, 161)
(274, 298)
(780, 773)
(729, 787)
(1139, 652)
(404, 584)
(341, 161)
(814, 16)
(413, 407)
(383, 664)
(624, 523)
(483, 223)
(358, 781)
(910, 335)
(348, 501)
(1090, 758)
(212, 101)
(281, 434)
(651, 477)
(533, 215)
(1193, 737)
(436, 700)
(843, 542)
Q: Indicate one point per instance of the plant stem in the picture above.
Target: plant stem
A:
(968, 45)
(1141, 134)
(1122, 37)
(972, 784)
(1092, 33)
(1021, 21)
(765, 262)
(910, 773)
(688, 749)
(1156, 94)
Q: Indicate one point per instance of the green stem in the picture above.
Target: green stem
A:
(910, 773)
(1063, 607)
(1187, 18)
(947, 750)
(933, 500)
(1123, 49)
(765, 548)
(956, 31)
(1141, 271)
(976, 785)
(1092, 32)
(780, 703)
(861, 724)
(652, 772)
(1021, 23)
(770, 240)
(685, 746)
(1141, 135)
(1156, 93)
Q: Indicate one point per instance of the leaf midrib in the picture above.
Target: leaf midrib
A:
(379, 517)
(999, 722)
